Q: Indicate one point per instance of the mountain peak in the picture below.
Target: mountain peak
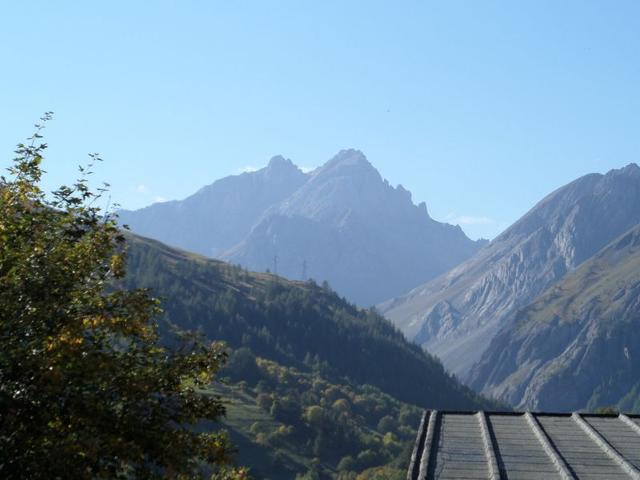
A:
(349, 157)
(631, 169)
(349, 162)
(280, 162)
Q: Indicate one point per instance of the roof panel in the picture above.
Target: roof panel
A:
(517, 446)
(519, 453)
(620, 436)
(459, 451)
(582, 455)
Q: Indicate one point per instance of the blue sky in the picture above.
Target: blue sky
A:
(478, 108)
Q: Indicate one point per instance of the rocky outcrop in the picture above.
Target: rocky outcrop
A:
(578, 345)
(342, 223)
(456, 315)
(347, 225)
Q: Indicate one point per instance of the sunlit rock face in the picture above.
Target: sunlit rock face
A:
(456, 315)
(342, 223)
(577, 346)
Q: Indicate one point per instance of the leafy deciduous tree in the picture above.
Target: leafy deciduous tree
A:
(86, 388)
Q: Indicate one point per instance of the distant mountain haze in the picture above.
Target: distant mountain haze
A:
(578, 345)
(456, 315)
(219, 215)
(342, 223)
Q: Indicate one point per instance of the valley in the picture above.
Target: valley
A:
(475, 316)
(313, 382)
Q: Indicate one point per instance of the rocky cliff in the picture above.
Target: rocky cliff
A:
(578, 345)
(342, 223)
(456, 315)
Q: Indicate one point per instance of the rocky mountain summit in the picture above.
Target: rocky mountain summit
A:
(342, 223)
(456, 315)
(578, 345)
(219, 215)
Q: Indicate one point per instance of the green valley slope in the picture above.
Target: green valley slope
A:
(297, 346)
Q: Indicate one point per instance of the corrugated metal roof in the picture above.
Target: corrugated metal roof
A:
(526, 446)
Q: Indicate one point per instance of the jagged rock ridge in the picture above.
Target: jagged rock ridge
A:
(342, 223)
(577, 346)
(219, 215)
(456, 315)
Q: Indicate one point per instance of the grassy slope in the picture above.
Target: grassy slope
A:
(242, 413)
(308, 334)
(605, 278)
(284, 320)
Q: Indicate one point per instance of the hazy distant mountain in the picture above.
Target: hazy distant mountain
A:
(342, 223)
(578, 345)
(457, 315)
(352, 228)
(219, 215)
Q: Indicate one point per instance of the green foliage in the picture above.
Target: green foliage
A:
(335, 424)
(387, 424)
(310, 475)
(320, 374)
(382, 473)
(347, 464)
(243, 363)
(607, 411)
(315, 416)
(296, 324)
(86, 388)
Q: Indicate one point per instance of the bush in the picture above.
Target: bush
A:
(367, 459)
(315, 416)
(347, 464)
(264, 401)
(387, 424)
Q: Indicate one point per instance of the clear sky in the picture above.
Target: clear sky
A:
(480, 108)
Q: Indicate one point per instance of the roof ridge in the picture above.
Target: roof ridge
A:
(547, 446)
(489, 449)
(606, 447)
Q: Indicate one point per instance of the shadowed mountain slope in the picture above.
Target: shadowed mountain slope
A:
(289, 321)
(578, 345)
(457, 315)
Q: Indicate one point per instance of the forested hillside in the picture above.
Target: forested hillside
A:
(332, 379)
